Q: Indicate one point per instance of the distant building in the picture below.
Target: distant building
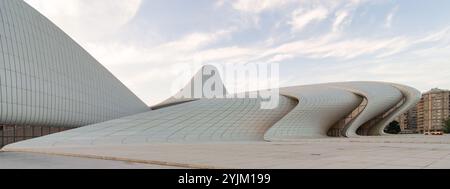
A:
(432, 110)
(408, 120)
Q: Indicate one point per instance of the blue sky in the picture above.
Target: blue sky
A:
(145, 42)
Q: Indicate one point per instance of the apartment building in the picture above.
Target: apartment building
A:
(432, 110)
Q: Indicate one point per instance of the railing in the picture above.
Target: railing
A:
(337, 129)
(365, 128)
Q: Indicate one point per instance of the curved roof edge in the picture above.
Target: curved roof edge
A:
(380, 98)
(319, 108)
(412, 97)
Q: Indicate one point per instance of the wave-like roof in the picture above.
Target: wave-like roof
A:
(303, 112)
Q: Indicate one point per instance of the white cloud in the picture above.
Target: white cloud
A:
(442, 35)
(340, 20)
(390, 17)
(258, 6)
(182, 49)
(226, 54)
(194, 41)
(333, 47)
(281, 57)
(74, 16)
(301, 18)
(398, 70)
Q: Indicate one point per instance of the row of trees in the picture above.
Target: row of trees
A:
(393, 128)
(447, 125)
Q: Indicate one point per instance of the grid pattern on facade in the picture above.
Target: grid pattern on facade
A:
(48, 79)
(197, 121)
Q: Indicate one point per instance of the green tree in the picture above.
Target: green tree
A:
(446, 125)
(393, 128)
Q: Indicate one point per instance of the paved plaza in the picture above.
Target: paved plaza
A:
(390, 152)
(14, 160)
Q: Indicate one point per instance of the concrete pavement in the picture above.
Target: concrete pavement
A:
(387, 152)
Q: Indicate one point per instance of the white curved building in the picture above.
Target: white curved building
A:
(347, 109)
(48, 79)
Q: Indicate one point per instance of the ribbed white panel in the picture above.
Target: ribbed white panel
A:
(48, 79)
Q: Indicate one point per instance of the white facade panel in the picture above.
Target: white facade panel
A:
(48, 79)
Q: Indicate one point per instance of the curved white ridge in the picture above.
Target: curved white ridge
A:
(319, 108)
(411, 98)
(381, 97)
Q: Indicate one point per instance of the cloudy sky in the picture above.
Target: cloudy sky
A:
(146, 42)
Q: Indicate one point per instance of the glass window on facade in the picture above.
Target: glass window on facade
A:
(15, 133)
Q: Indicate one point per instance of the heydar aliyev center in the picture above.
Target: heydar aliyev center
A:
(47, 79)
